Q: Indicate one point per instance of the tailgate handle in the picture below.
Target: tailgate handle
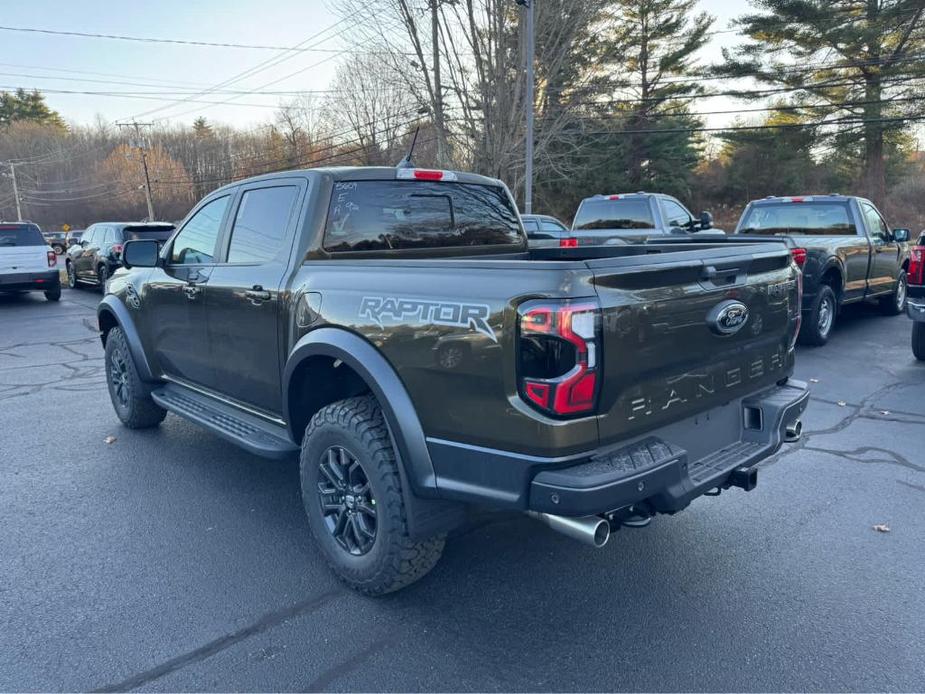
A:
(710, 272)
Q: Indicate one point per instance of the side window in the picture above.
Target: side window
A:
(675, 214)
(875, 224)
(530, 226)
(195, 244)
(90, 236)
(110, 235)
(260, 224)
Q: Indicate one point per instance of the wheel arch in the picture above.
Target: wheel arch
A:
(112, 313)
(833, 275)
(323, 352)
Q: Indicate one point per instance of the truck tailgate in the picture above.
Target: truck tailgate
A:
(686, 332)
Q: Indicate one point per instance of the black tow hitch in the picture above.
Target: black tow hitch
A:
(744, 477)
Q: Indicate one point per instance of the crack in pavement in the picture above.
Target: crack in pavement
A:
(893, 458)
(322, 682)
(265, 623)
(918, 487)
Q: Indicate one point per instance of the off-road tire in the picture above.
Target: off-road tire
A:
(71, 275)
(811, 332)
(918, 340)
(53, 294)
(891, 305)
(138, 411)
(394, 560)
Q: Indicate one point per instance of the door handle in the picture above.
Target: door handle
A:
(257, 295)
(192, 291)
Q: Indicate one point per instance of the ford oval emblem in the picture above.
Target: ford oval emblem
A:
(728, 317)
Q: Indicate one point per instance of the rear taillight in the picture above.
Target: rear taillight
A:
(52, 258)
(799, 256)
(117, 249)
(559, 356)
(570, 242)
(916, 272)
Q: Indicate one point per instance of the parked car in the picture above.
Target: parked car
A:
(847, 252)
(916, 302)
(57, 240)
(303, 313)
(99, 252)
(632, 217)
(543, 231)
(27, 262)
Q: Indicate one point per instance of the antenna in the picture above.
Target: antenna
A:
(406, 163)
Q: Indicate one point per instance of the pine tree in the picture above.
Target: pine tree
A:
(852, 63)
(650, 49)
(29, 107)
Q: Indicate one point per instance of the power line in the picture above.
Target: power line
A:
(182, 42)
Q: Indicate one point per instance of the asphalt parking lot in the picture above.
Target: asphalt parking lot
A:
(171, 560)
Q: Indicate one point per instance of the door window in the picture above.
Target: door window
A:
(261, 223)
(875, 224)
(675, 214)
(531, 227)
(195, 244)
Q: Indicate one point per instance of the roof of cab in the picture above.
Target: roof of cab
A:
(830, 197)
(362, 173)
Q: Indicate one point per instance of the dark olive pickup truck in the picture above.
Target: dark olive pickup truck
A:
(392, 328)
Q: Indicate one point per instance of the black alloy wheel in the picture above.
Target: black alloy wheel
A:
(347, 502)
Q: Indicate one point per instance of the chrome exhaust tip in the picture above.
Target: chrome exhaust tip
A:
(590, 530)
(794, 431)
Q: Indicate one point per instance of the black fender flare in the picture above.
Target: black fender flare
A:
(397, 408)
(113, 307)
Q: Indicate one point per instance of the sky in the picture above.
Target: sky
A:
(51, 62)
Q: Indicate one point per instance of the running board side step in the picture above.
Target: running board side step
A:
(248, 431)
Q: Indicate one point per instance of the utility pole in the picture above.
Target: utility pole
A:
(140, 143)
(439, 121)
(16, 192)
(528, 106)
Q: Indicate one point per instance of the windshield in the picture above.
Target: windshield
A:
(625, 213)
(21, 235)
(156, 233)
(798, 219)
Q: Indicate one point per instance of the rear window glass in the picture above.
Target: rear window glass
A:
(629, 213)
(798, 218)
(21, 235)
(155, 233)
(401, 215)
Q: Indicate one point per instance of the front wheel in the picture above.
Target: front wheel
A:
(71, 276)
(130, 399)
(895, 303)
(353, 497)
(821, 317)
(918, 340)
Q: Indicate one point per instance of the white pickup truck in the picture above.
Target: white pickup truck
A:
(27, 262)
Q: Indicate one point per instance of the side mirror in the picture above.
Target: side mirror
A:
(706, 220)
(140, 253)
(901, 235)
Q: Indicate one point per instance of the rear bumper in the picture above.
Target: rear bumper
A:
(30, 281)
(664, 470)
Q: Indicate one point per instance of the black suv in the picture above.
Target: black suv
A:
(99, 252)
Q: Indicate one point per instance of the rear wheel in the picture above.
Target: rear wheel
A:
(821, 318)
(895, 303)
(58, 249)
(53, 294)
(130, 398)
(71, 276)
(918, 340)
(353, 497)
